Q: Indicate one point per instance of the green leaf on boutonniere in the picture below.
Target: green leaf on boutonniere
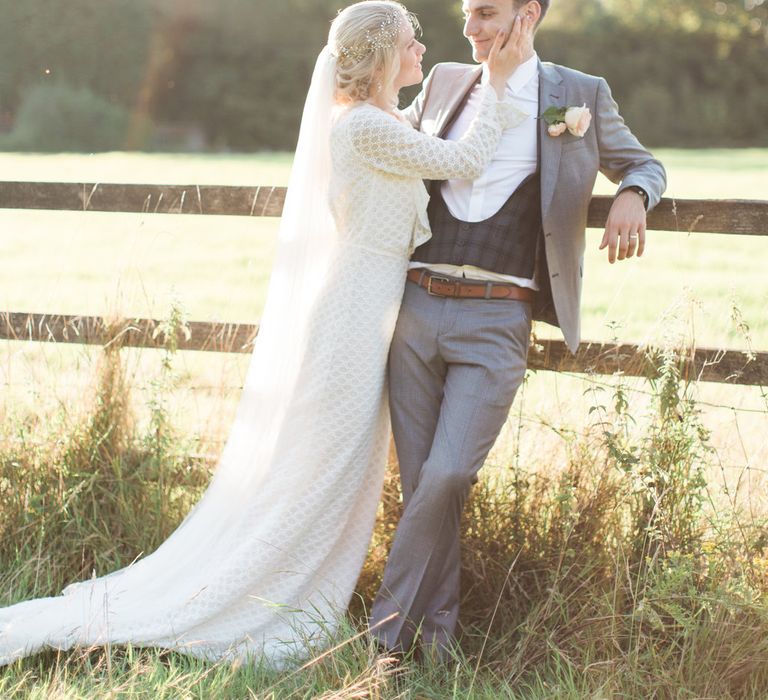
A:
(554, 115)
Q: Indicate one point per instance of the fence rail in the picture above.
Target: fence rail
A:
(741, 217)
(737, 216)
(706, 364)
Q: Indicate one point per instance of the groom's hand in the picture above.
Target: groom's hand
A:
(625, 228)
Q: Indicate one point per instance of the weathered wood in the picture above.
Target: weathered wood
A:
(153, 199)
(702, 364)
(688, 215)
(705, 364)
(138, 332)
(735, 216)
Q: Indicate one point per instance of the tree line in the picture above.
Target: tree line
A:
(144, 74)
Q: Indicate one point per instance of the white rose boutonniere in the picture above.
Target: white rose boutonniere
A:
(575, 119)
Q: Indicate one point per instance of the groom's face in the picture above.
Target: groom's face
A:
(483, 19)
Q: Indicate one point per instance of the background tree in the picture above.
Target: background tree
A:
(686, 73)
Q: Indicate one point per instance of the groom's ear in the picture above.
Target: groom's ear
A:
(533, 10)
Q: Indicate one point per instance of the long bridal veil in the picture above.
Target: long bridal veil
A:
(195, 589)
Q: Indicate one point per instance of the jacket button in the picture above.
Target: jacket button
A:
(555, 274)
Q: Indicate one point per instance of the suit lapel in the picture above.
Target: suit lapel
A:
(552, 93)
(455, 94)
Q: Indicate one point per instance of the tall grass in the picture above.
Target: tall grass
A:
(90, 490)
(612, 574)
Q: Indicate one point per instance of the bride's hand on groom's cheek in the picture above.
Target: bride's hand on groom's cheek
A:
(510, 49)
(519, 38)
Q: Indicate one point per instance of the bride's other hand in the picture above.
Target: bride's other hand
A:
(510, 49)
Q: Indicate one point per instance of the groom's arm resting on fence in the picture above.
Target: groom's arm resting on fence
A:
(624, 160)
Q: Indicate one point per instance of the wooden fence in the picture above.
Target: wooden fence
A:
(742, 217)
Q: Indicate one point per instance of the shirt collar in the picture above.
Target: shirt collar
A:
(523, 74)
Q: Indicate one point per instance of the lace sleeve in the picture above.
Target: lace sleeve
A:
(393, 147)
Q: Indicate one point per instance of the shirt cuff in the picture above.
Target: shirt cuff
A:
(640, 191)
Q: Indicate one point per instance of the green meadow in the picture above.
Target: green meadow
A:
(218, 267)
(708, 288)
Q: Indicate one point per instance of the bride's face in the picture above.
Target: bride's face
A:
(411, 51)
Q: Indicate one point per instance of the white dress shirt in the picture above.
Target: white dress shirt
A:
(516, 158)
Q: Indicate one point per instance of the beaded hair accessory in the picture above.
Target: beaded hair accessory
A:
(384, 37)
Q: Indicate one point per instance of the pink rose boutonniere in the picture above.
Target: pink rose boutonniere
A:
(575, 119)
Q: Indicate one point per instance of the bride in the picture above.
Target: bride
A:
(267, 561)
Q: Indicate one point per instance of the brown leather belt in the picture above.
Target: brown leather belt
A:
(442, 286)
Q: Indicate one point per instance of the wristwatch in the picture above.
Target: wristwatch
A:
(643, 194)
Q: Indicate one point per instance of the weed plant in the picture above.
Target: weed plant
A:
(612, 575)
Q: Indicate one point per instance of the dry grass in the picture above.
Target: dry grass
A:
(608, 573)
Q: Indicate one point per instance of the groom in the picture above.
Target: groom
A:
(505, 248)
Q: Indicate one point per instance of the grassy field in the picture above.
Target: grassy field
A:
(635, 536)
(217, 268)
(608, 571)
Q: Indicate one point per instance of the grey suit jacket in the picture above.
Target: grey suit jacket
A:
(569, 167)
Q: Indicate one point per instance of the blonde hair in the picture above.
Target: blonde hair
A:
(365, 38)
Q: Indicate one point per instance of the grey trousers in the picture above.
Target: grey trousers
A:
(454, 368)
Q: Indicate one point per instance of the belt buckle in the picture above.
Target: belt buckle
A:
(432, 278)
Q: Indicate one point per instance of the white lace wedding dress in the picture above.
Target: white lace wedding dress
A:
(266, 563)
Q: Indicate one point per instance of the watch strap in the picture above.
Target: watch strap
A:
(639, 190)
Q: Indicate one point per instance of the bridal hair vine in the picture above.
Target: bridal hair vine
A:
(575, 119)
(383, 37)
